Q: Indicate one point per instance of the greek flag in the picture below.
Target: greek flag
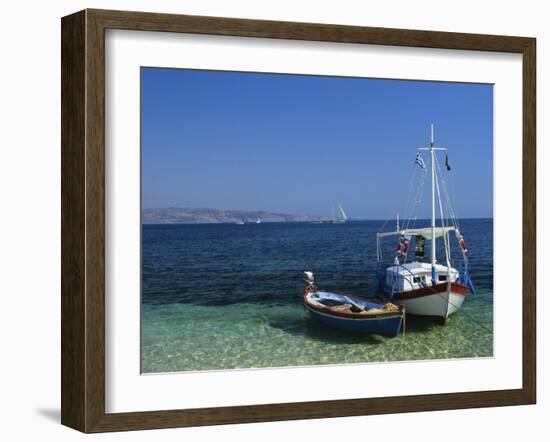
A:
(420, 161)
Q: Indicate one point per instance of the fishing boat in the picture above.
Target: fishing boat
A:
(433, 288)
(340, 217)
(352, 313)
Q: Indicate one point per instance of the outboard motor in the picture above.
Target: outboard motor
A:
(309, 279)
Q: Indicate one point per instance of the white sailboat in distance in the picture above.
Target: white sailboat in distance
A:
(340, 217)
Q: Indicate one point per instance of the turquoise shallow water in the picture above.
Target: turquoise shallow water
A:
(223, 296)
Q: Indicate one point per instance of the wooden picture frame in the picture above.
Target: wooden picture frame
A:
(83, 220)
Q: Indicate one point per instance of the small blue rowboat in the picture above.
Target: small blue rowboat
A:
(352, 313)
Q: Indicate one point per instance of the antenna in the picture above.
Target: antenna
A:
(432, 138)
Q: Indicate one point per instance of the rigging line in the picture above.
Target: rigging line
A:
(411, 206)
(411, 177)
(418, 198)
(453, 217)
(445, 236)
(449, 199)
(416, 201)
(445, 239)
(419, 192)
(407, 200)
(449, 205)
(452, 196)
(383, 225)
(439, 200)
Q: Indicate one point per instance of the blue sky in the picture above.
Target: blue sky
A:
(301, 144)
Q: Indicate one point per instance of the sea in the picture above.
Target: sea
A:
(227, 296)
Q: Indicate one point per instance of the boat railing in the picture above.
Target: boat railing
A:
(381, 277)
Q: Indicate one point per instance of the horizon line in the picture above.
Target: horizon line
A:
(299, 214)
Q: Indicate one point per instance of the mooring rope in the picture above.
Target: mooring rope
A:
(466, 315)
(404, 330)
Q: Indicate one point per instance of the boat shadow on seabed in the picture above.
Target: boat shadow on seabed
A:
(309, 328)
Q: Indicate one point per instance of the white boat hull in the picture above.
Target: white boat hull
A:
(440, 304)
(437, 303)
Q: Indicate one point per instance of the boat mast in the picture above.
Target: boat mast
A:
(433, 202)
(432, 150)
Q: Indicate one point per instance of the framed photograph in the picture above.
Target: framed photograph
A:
(269, 220)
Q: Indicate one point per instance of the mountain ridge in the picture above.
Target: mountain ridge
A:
(189, 215)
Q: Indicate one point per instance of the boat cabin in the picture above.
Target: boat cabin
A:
(417, 275)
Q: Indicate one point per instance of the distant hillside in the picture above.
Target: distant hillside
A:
(186, 215)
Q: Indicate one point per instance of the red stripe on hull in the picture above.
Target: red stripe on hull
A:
(456, 288)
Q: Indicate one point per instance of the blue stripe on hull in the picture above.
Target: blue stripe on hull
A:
(387, 326)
